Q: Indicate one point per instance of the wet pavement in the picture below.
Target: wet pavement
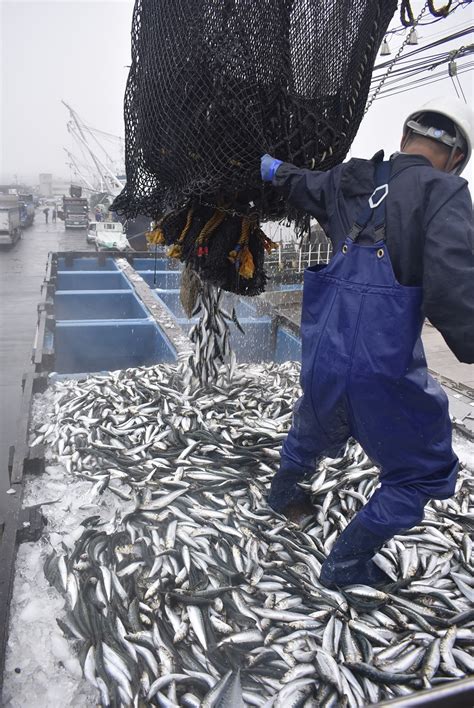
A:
(22, 270)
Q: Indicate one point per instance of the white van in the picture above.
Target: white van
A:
(110, 235)
(91, 231)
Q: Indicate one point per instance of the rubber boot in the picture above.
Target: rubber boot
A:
(350, 561)
(285, 490)
(298, 512)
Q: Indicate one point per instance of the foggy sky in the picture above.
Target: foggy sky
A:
(78, 50)
(74, 50)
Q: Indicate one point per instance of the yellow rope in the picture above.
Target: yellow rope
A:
(156, 236)
(176, 249)
(241, 255)
(210, 226)
(208, 229)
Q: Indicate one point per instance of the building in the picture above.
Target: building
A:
(46, 184)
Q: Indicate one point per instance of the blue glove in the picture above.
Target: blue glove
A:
(268, 167)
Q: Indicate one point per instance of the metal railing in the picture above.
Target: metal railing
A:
(295, 259)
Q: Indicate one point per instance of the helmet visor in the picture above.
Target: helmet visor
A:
(434, 133)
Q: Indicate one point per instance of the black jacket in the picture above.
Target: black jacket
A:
(429, 231)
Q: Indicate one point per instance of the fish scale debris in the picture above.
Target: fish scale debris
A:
(194, 593)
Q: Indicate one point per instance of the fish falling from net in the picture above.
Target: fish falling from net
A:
(211, 338)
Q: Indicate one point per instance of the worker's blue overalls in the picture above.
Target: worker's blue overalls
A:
(364, 375)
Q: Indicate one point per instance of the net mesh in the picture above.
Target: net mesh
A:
(214, 85)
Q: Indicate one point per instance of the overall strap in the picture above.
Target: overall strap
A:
(375, 207)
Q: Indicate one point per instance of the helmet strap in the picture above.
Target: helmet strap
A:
(405, 139)
(458, 145)
(449, 164)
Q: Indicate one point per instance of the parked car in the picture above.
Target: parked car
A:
(110, 235)
(91, 232)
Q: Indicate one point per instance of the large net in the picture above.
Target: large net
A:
(213, 85)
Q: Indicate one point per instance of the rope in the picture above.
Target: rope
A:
(442, 12)
(241, 255)
(176, 249)
(407, 17)
(216, 220)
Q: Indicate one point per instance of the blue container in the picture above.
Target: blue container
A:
(85, 263)
(244, 309)
(163, 279)
(102, 305)
(86, 280)
(285, 286)
(256, 344)
(252, 347)
(106, 346)
(171, 299)
(149, 264)
(288, 346)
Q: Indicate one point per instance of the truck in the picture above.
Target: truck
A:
(75, 190)
(10, 227)
(75, 212)
(27, 210)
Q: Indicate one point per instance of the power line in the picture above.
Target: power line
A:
(404, 73)
(423, 81)
(429, 60)
(392, 77)
(420, 71)
(392, 92)
(448, 38)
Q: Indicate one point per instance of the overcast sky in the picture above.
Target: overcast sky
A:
(77, 50)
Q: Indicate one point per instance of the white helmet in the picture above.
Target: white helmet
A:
(462, 117)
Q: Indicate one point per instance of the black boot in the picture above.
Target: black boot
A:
(285, 490)
(350, 561)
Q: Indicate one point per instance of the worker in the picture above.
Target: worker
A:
(46, 214)
(402, 237)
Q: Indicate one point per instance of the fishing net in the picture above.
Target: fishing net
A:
(213, 86)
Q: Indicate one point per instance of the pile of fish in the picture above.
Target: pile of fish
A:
(197, 595)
